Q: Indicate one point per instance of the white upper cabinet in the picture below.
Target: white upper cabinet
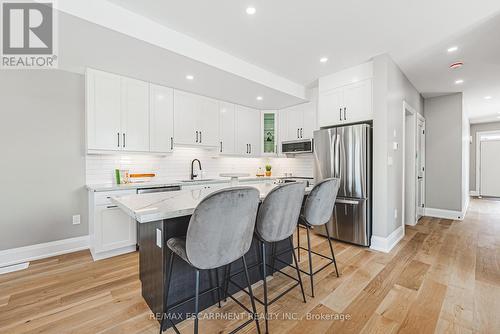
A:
(227, 128)
(196, 120)
(161, 119)
(117, 113)
(248, 131)
(299, 121)
(135, 115)
(103, 111)
(346, 96)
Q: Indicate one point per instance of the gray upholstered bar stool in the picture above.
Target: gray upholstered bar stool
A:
(276, 221)
(220, 232)
(317, 211)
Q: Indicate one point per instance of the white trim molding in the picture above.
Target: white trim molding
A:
(20, 255)
(14, 267)
(474, 193)
(446, 214)
(386, 244)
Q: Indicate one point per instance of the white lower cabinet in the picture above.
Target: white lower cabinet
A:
(112, 231)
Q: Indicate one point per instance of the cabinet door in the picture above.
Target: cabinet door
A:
(269, 132)
(114, 229)
(309, 120)
(295, 120)
(135, 115)
(208, 122)
(247, 131)
(186, 108)
(358, 101)
(330, 108)
(161, 118)
(227, 128)
(103, 111)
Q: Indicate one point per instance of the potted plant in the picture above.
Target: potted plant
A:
(268, 170)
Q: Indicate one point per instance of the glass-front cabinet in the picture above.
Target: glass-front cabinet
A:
(269, 133)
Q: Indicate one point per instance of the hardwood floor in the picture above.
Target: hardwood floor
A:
(444, 277)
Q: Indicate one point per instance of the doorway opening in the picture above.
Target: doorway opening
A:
(413, 165)
(488, 163)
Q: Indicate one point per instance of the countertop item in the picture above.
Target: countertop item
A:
(166, 183)
(158, 206)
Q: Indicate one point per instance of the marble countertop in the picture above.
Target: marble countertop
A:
(158, 206)
(168, 182)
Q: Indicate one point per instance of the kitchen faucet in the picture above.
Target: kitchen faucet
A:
(192, 168)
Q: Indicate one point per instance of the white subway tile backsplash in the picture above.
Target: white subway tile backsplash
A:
(176, 166)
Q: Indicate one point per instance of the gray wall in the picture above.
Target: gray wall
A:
(391, 88)
(443, 152)
(474, 129)
(42, 116)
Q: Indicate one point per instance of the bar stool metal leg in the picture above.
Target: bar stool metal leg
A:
(167, 288)
(227, 274)
(218, 286)
(298, 242)
(331, 249)
(297, 269)
(311, 274)
(252, 300)
(264, 274)
(197, 301)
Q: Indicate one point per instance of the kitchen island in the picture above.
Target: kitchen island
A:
(162, 216)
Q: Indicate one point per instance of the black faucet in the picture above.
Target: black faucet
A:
(192, 167)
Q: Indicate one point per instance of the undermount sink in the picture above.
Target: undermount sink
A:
(204, 180)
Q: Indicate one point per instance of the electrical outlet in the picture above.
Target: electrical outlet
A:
(76, 219)
(395, 213)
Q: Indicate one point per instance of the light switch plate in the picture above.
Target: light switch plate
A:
(158, 238)
(76, 219)
(395, 146)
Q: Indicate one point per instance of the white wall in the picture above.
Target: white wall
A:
(445, 154)
(42, 119)
(391, 88)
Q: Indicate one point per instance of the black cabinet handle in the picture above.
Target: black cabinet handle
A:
(118, 135)
(340, 114)
(301, 132)
(345, 118)
(111, 206)
(250, 148)
(221, 147)
(196, 136)
(200, 137)
(171, 143)
(123, 140)
(298, 136)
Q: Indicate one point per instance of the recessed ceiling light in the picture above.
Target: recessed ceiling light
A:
(251, 10)
(323, 59)
(453, 49)
(190, 77)
(259, 98)
(459, 81)
(488, 97)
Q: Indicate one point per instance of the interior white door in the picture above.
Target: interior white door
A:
(135, 115)
(208, 122)
(186, 108)
(358, 101)
(227, 128)
(161, 118)
(490, 167)
(103, 111)
(420, 161)
(330, 107)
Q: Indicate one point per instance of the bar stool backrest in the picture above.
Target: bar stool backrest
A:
(319, 204)
(221, 228)
(279, 212)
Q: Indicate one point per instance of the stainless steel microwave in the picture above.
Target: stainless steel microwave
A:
(297, 146)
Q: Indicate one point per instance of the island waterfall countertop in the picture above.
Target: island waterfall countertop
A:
(158, 206)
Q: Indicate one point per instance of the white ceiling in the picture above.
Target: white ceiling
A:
(287, 37)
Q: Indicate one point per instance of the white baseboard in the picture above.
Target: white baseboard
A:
(474, 193)
(19, 255)
(386, 244)
(446, 214)
(14, 267)
(111, 253)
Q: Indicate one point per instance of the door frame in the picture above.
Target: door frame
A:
(478, 158)
(422, 154)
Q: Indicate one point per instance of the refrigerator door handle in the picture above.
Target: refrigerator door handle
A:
(347, 201)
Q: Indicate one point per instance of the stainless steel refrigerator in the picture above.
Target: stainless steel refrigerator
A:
(346, 153)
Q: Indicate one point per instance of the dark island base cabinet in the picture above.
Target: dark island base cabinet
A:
(153, 262)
